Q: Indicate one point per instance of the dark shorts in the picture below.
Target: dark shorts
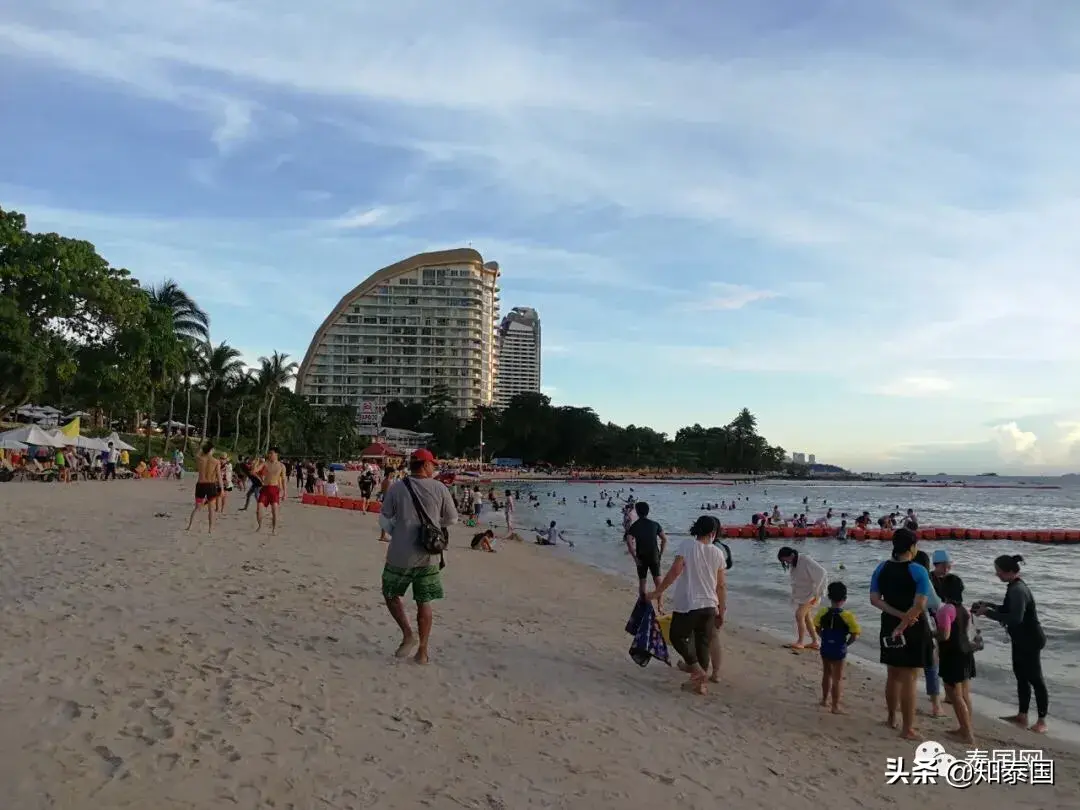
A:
(365, 492)
(956, 668)
(425, 582)
(648, 565)
(917, 652)
(206, 492)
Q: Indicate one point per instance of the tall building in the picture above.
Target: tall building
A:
(519, 355)
(813, 459)
(798, 458)
(429, 319)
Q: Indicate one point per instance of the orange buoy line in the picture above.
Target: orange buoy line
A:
(940, 533)
(340, 503)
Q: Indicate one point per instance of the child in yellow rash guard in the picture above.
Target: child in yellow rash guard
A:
(837, 628)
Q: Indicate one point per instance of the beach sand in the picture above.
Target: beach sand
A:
(144, 667)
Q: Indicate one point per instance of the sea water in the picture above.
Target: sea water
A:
(759, 591)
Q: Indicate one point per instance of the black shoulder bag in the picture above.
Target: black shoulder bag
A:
(434, 539)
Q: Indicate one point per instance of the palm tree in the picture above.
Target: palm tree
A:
(244, 389)
(190, 321)
(219, 364)
(274, 374)
(193, 367)
(190, 324)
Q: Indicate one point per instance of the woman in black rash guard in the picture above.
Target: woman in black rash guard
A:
(1021, 620)
(899, 588)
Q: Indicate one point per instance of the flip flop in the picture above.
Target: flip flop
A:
(795, 647)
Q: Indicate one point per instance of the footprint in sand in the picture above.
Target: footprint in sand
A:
(113, 763)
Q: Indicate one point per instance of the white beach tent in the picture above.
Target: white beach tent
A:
(117, 442)
(85, 442)
(11, 444)
(32, 434)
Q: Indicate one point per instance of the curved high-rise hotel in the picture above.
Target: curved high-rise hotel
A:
(519, 355)
(432, 318)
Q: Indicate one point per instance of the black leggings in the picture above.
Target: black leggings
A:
(1027, 667)
(691, 634)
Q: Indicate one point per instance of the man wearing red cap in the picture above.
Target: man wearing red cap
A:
(408, 562)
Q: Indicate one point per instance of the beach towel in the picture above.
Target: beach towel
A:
(648, 641)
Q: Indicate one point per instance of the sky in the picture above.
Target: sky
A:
(859, 220)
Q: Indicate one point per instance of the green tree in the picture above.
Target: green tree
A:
(220, 364)
(275, 373)
(56, 292)
(191, 328)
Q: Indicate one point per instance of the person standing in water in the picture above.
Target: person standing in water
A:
(899, 588)
(508, 511)
(809, 580)
(699, 573)
(646, 541)
(1021, 619)
(207, 486)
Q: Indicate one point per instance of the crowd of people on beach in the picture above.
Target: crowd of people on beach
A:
(925, 627)
(924, 624)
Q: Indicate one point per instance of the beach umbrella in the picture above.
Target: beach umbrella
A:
(32, 434)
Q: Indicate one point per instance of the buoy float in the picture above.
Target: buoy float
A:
(1059, 536)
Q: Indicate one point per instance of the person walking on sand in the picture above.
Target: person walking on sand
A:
(809, 580)
(1021, 620)
(272, 490)
(899, 588)
(408, 562)
(207, 486)
(699, 573)
(646, 542)
(226, 483)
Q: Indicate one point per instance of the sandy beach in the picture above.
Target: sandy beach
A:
(143, 666)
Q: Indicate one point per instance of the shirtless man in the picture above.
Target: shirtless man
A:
(208, 486)
(272, 475)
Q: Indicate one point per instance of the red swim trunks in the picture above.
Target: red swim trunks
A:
(269, 495)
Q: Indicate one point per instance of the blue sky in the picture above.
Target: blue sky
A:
(857, 219)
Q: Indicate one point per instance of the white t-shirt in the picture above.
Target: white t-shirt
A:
(696, 586)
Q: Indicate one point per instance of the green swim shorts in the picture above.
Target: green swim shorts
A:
(426, 583)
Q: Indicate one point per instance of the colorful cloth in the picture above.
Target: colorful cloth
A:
(648, 641)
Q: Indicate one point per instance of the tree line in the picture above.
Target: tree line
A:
(530, 428)
(79, 333)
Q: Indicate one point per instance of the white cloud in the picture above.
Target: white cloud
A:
(916, 387)
(1014, 442)
(236, 125)
(724, 296)
(358, 218)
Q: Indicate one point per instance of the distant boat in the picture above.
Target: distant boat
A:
(986, 475)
